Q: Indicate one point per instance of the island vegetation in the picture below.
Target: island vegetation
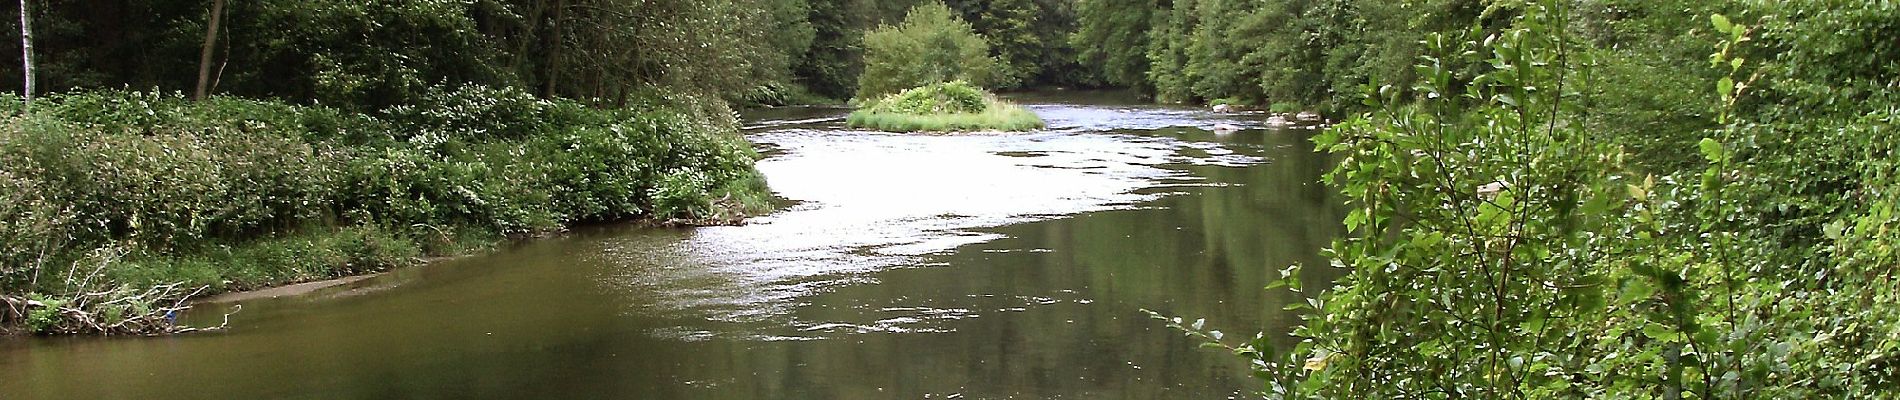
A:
(953, 106)
(927, 73)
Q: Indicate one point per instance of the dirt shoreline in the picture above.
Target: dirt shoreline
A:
(284, 291)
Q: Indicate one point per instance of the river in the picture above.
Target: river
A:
(989, 266)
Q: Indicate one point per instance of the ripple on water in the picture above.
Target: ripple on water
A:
(873, 201)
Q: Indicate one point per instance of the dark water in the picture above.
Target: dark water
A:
(965, 266)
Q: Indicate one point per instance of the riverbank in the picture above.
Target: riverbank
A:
(120, 205)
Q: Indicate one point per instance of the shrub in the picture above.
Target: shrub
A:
(231, 193)
(954, 97)
(1499, 248)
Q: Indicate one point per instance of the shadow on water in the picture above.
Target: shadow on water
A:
(976, 266)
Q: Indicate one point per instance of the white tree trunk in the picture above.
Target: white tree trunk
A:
(26, 47)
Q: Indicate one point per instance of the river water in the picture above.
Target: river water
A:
(906, 267)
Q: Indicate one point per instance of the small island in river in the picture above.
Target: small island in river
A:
(954, 106)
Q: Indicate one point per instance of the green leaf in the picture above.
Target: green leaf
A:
(1660, 332)
(1721, 23)
(1638, 289)
(1726, 86)
(1711, 149)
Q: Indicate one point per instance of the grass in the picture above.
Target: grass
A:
(999, 116)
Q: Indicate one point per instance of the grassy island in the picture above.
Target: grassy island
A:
(955, 106)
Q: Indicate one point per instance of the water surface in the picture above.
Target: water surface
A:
(910, 266)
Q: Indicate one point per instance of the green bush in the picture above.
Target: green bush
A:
(932, 45)
(954, 97)
(235, 194)
(1501, 246)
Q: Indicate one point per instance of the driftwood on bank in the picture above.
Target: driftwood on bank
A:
(151, 311)
(95, 305)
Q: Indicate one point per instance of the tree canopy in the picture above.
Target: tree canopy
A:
(932, 45)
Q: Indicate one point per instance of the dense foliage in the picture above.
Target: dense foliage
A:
(152, 189)
(954, 97)
(943, 107)
(1582, 199)
(367, 55)
(932, 45)
(1301, 54)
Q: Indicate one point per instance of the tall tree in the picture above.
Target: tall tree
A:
(26, 47)
(204, 57)
(555, 43)
(931, 45)
(1113, 34)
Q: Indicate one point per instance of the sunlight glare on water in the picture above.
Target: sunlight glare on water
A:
(871, 201)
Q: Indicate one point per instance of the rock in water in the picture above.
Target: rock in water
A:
(1226, 128)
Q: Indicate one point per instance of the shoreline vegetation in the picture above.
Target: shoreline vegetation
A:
(116, 207)
(1566, 199)
(955, 106)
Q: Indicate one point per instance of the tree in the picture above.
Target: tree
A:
(1008, 26)
(930, 46)
(211, 39)
(26, 47)
(1113, 34)
(831, 64)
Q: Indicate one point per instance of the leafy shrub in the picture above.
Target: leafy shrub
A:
(932, 45)
(954, 97)
(481, 113)
(31, 225)
(232, 193)
(1499, 248)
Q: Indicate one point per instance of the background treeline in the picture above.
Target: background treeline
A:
(1316, 54)
(372, 54)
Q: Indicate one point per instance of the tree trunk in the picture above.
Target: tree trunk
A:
(26, 47)
(528, 38)
(554, 47)
(204, 57)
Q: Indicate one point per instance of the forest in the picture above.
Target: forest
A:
(1547, 198)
